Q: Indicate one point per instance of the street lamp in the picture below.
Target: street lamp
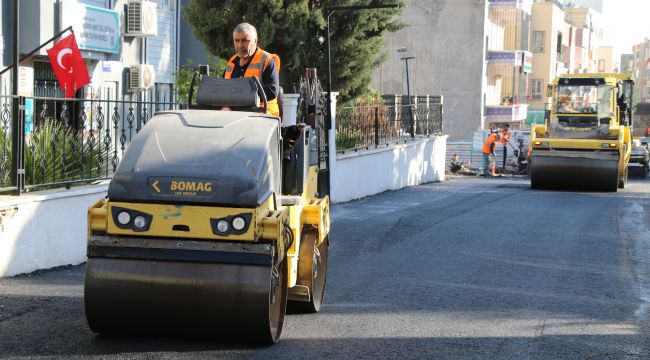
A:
(408, 89)
(329, 10)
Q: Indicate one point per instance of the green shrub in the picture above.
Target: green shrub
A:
(55, 153)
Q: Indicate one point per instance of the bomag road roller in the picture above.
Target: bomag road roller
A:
(585, 143)
(213, 221)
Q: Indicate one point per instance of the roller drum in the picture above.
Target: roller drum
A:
(135, 295)
(573, 173)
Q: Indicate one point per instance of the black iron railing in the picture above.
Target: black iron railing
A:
(68, 141)
(363, 127)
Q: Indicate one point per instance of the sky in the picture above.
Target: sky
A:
(626, 24)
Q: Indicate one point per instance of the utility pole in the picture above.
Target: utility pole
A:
(408, 91)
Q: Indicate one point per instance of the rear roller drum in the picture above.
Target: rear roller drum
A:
(312, 271)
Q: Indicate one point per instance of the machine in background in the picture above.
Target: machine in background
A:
(586, 143)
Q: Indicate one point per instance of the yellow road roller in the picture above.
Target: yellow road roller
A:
(585, 143)
(213, 221)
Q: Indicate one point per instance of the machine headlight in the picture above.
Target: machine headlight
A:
(139, 222)
(231, 225)
(123, 217)
(238, 223)
(222, 226)
(131, 219)
(609, 146)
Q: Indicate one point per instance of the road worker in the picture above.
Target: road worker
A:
(488, 151)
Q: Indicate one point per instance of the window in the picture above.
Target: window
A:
(601, 65)
(538, 41)
(537, 86)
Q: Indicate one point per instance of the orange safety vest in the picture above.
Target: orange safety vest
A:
(486, 149)
(505, 137)
(258, 63)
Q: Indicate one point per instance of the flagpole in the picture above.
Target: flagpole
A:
(69, 28)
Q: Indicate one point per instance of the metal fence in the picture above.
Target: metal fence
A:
(363, 127)
(59, 141)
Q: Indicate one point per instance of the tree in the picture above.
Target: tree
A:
(296, 30)
(183, 75)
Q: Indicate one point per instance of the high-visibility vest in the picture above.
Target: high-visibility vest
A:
(487, 145)
(256, 67)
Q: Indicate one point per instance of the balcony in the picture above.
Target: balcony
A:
(525, 5)
(506, 113)
(505, 57)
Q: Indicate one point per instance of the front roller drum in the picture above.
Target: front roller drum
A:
(570, 173)
(144, 296)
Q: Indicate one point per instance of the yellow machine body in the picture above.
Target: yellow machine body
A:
(197, 234)
(585, 143)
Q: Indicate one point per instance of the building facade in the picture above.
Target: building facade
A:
(493, 67)
(448, 58)
(509, 63)
(108, 46)
(641, 70)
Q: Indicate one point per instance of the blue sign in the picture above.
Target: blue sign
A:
(29, 115)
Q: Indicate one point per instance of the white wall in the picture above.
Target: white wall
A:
(370, 172)
(44, 229)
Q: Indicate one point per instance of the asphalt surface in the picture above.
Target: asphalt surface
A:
(470, 268)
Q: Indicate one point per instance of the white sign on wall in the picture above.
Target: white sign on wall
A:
(95, 28)
(25, 81)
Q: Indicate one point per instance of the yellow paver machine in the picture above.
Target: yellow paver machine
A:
(586, 142)
(214, 220)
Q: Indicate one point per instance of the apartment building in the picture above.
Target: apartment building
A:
(627, 63)
(564, 40)
(109, 48)
(606, 59)
(446, 39)
(641, 70)
(587, 37)
(508, 63)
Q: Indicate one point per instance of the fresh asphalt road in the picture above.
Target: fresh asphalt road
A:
(470, 268)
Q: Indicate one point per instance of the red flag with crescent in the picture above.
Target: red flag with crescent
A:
(68, 65)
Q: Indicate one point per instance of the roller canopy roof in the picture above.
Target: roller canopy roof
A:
(204, 156)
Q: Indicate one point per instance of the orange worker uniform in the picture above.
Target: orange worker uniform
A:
(488, 145)
(258, 64)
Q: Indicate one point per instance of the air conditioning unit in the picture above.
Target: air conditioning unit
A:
(141, 19)
(142, 77)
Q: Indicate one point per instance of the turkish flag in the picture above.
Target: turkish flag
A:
(68, 65)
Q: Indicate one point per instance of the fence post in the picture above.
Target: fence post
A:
(18, 144)
(376, 126)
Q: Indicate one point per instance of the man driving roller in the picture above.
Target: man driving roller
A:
(251, 61)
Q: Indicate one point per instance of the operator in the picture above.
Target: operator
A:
(488, 151)
(251, 61)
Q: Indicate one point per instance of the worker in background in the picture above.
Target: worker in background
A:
(251, 61)
(488, 151)
(505, 140)
(456, 166)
